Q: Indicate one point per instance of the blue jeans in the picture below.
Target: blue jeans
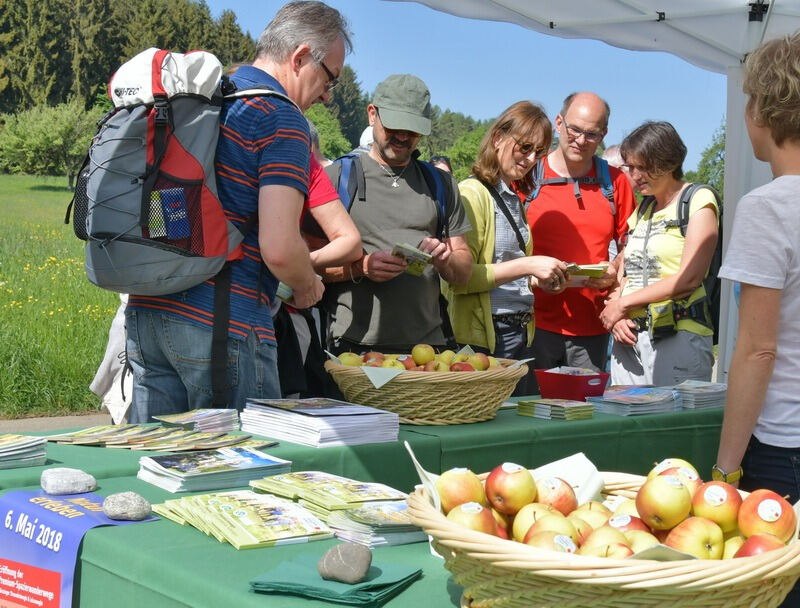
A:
(171, 361)
(777, 469)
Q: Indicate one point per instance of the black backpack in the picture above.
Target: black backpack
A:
(712, 282)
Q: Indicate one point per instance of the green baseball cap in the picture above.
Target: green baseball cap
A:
(404, 102)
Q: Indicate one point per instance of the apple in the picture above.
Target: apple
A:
(625, 523)
(595, 519)
(475, 517)
(407, 361)
(526, 517)
(669, 463)
(393, 364)
(759, 543)
(581, 527)
(493, 362)
(640, 540)
(373, 354)
(457, 486)
(663, 502)
(594, 505)
(509, 487)
(766, 511)
(688, 477)
(697, 536)
(719, 502)
(557, 493)
(555, 523)
(627, 507)
(422, 353)
(351, 359)
(479, 361)
(552, 541)
(446, 356)
(374, 362)
(732, 545)
(436, 366)
(459, 358)
(614, 551)
(605, 535)
(460, 366)
(503, 521)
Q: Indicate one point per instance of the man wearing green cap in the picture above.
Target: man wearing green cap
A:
(373, 303)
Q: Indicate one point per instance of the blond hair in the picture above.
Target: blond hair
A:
(772, 81)
(523, 121)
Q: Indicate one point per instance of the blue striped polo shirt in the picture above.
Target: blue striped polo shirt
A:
(263, 141)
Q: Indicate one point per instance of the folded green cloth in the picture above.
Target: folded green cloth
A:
(299, 576)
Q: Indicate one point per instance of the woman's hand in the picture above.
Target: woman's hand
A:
(548, 274)
(612, 313)
(623, 332)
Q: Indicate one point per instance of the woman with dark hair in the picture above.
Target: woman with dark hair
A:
(493, 312)
(659, 314)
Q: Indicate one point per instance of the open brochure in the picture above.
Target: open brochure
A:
(416, 259)
(580, 273)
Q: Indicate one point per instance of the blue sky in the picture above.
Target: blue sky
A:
(481, 67)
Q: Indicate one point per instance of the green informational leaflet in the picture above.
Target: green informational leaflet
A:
(556, 409)
(416, 259)
(593, 271)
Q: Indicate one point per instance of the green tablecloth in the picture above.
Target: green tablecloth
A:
(630, 444)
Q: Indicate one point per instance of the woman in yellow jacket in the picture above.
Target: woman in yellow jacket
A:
(493, 312)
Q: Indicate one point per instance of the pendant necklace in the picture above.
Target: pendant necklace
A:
(394, 178)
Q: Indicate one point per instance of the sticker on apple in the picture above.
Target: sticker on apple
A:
(619, 520)
(674, 481)
(715, 495)
(565, 542)
(552, 484)
(769, 510)
(471, 507)
(510, 467)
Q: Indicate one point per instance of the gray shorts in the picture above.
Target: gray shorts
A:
(665, 362)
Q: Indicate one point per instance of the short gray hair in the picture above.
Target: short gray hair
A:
(313, 23)
(314, 132)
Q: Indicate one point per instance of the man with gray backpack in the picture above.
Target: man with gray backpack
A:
(262, 174)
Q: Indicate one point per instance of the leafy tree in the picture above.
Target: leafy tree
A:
(195, 28)
(47, 140)
(349, 105)
(331, 140)
(464, 150)
(711, 168)
(90, 23)
(145, 23)
(446, 127)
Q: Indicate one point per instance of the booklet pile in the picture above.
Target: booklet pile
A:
(203, 419)
(319, 422)
(22, 451)
(155, 438)
(246, 519)
(210, 470)
(627, 400)
(369, 513)
(698, 395)
(556, 409)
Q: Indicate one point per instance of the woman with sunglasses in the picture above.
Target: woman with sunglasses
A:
(659, 314)
(493, 312)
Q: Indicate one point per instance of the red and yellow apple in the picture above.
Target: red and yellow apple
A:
(688, 477)
(759, 543)
(479, 361)
(475, 517)
(766, 511)
(552, 541)
(625, 523)
(719, 502)
(461, 366)
(640, 540)
(605, 535)
(614, 551)
(526, 517)
(557, 493)
(663, 502)
(509, 487)
(436, 366)
(732, 545)
(457, 486)
(669, 463)
(697, 536)
(556, 523)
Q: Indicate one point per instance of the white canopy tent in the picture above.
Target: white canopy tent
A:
(714, 35)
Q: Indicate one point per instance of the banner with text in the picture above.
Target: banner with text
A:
(39, 540)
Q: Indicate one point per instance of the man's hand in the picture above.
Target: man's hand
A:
(612, 313)
(607, 281)
(382, 266)
(308, 297)
(438, 250)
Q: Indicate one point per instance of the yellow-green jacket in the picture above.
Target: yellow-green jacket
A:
(469, 306)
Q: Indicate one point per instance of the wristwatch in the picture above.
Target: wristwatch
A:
(717, 474)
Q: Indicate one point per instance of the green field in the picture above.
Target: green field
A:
(53, 322)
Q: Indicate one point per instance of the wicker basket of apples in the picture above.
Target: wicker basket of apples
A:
(433, 388)
(514, 541)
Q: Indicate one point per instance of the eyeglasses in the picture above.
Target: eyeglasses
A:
(527, 148)
(575, 133)
(332, 80)
(642, 170)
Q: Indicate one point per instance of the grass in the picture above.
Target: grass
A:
(53, 322)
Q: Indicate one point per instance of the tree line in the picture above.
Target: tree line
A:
(56, 57)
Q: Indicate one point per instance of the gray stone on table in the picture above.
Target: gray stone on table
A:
(346, 563)
(62, 480)
(126, 506)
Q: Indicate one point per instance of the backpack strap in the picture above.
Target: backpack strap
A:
(682, 212)
(351, 180)
(602, 177)
(436, 184)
